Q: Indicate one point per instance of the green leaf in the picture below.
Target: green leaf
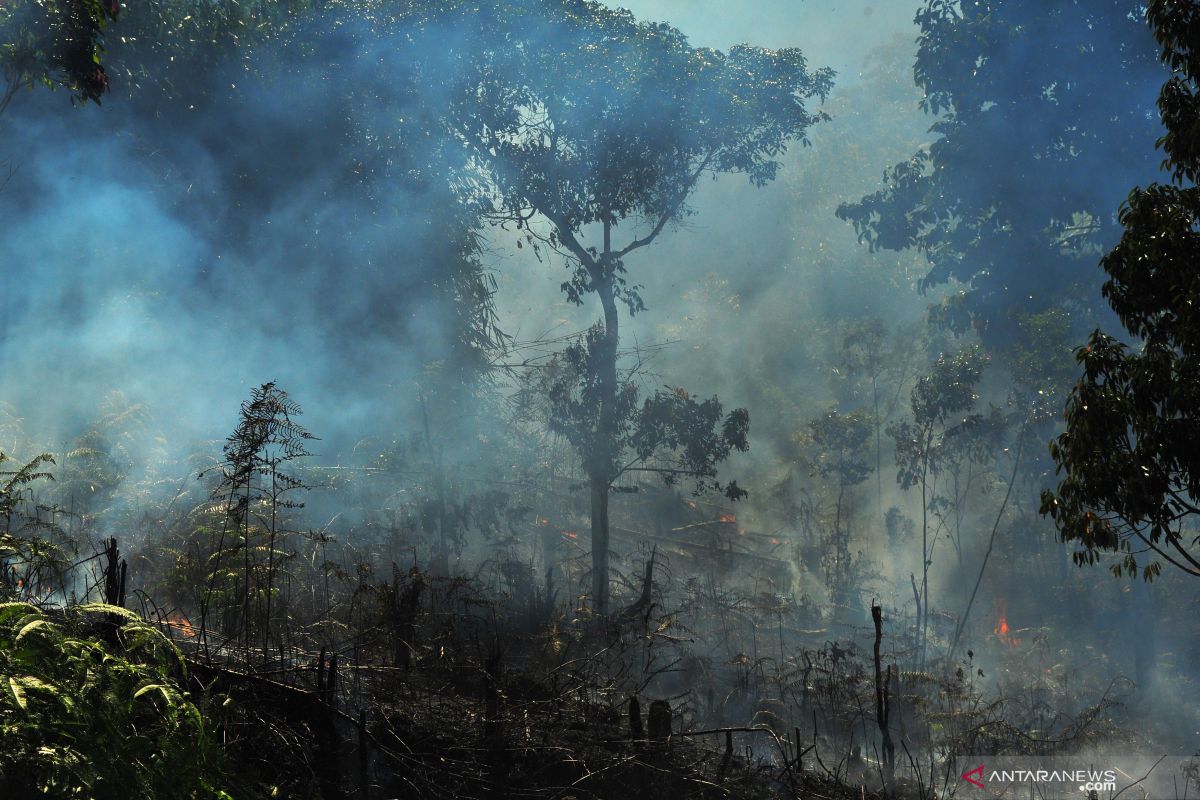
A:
(18, 693)
(30, 627)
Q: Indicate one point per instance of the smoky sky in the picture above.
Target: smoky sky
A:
(287, 228)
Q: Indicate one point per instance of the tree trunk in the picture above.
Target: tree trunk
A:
(878, 450)
(600, 544)
(601, 461)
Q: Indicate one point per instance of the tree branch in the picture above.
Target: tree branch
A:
(671, 211)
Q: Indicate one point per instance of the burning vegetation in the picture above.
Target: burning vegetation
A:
(556, 562)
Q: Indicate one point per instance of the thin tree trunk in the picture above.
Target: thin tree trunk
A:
(883, 708)
(441, 563)
(924, 621)
(962, 624)
(271, 561)
(600, 544)
(878, 451)
(601, 466)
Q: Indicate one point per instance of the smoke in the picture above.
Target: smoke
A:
(294, 223)
(184, 251)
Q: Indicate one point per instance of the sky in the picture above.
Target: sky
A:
(834, 33)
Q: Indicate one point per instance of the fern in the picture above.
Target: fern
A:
(86, 718)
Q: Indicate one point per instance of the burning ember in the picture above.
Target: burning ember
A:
(181, 623)
(543, 521)
(774, 540)
(691, 504)
(727, 517)
(570, 535)
(1001, 628)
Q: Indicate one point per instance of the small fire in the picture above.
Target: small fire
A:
(1001, 628)
(570, 535)
(774, 540)
(543, 521)
(181, 623)
(691, 504)
(727, 517)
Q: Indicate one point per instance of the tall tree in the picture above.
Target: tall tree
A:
(940, 402)
(585, 125)
(1039, 110)
(841, 440)
(1131, 452)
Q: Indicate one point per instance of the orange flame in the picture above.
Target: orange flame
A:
(691, 504)
(543, 521)
(727, 517)
(1001, 628)
(774, 540)
(570, 534)
(180, 623)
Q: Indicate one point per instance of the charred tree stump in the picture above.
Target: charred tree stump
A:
(659, 720)
(636, 731)
(114, 590)
(883, 706)
(114, 574)
(405, 603)
(727, 756)
(327, 763)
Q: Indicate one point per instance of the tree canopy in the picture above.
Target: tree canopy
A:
(583, 115)
(1131, 452)
(1040, 108)
(578, 119)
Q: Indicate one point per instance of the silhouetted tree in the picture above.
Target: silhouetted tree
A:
(841, 441)
(940, 401)
(254, 490)
(583, 122)
(1131, 451)
(1028, 97)
(670, 433)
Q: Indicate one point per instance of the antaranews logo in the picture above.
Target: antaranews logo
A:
(978, 773)
(1065, 777)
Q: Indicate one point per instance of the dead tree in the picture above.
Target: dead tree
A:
(404, 605)
(883, 706)
(114, 574)
(636, 731)
(659, 720)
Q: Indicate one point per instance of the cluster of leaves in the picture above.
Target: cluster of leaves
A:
(29, 561)
(584, 115)
(670, 433)
(938, 400)
(54, 43)
(841, 440)
(91, 706)
(1131, 451)
(1027, 98)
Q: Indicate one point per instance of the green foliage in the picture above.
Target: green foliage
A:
(583, 115)
(253, 492)
(31, 565)
(94, 716)
(1131, 451)
(937, 401)
(54, 43)
(670, 433)
(841, 440)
